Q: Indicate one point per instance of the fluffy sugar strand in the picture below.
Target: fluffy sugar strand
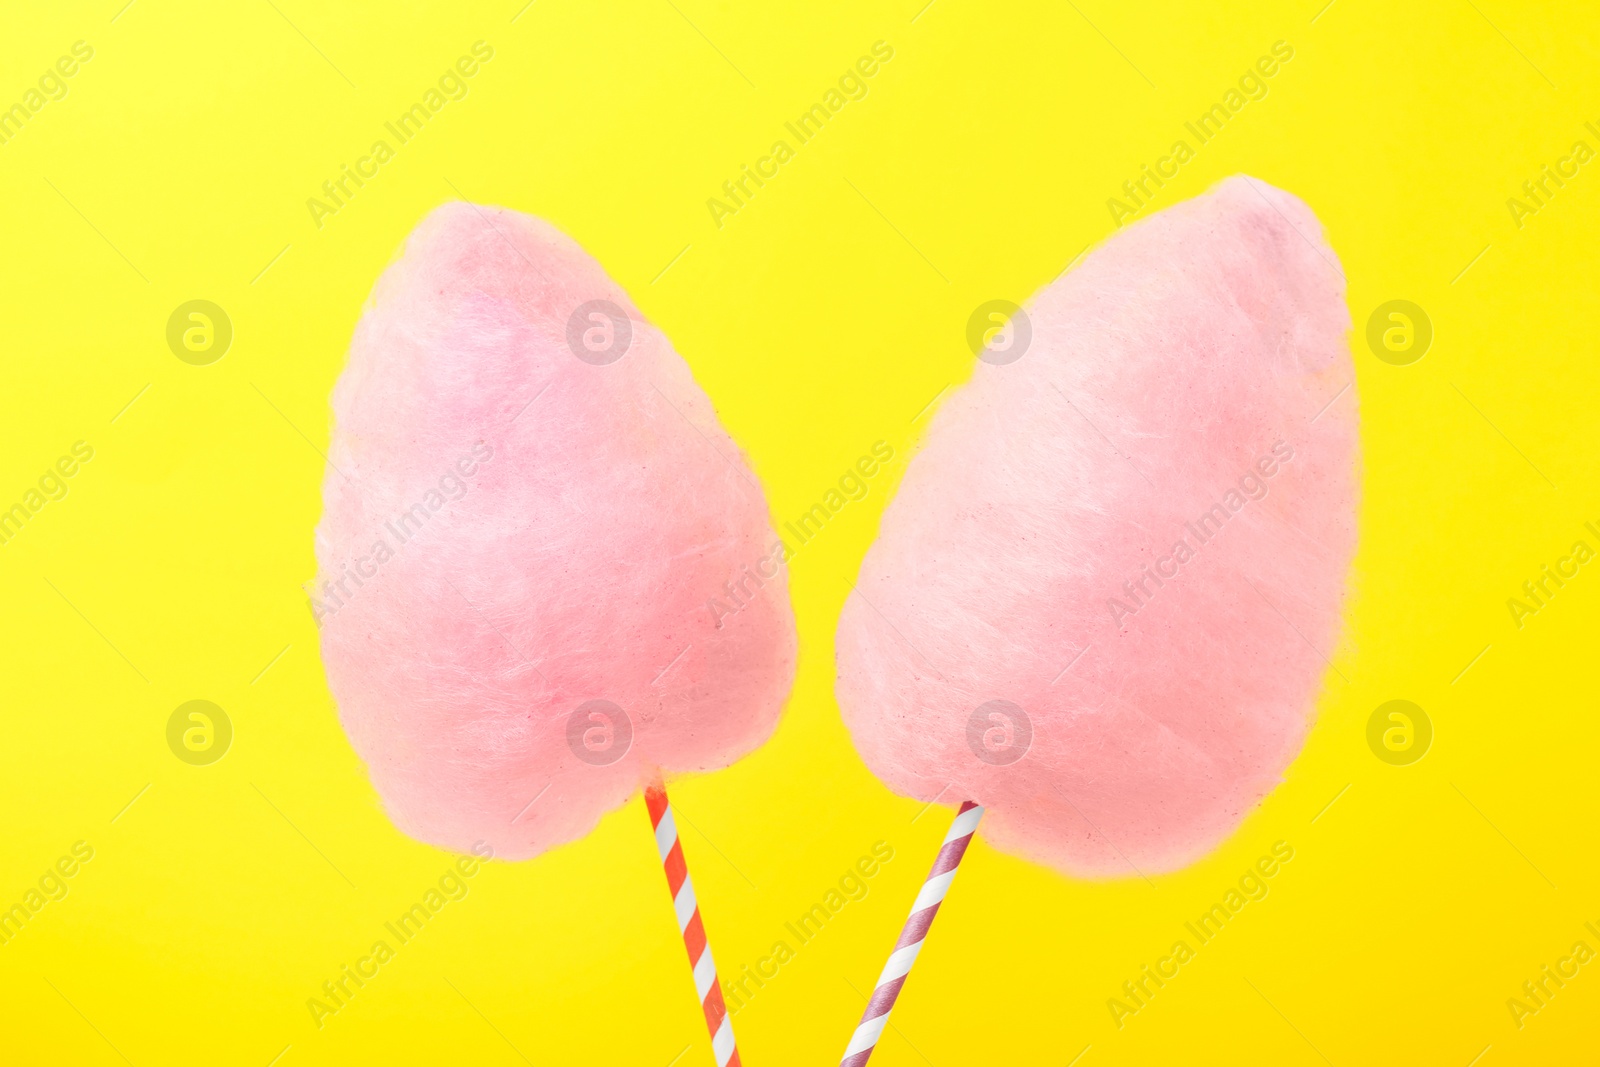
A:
(1104, 598)
(530, 513)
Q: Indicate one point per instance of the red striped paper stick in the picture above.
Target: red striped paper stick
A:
(694, 931)
(893, 978)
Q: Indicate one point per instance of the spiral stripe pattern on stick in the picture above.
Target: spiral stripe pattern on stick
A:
(893, 978)
(706, 985)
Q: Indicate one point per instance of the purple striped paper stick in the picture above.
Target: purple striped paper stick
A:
(893, 978)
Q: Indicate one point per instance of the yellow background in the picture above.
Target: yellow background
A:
(820, 319)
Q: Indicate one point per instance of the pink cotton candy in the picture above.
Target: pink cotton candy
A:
(532, 517)
(992, 650)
